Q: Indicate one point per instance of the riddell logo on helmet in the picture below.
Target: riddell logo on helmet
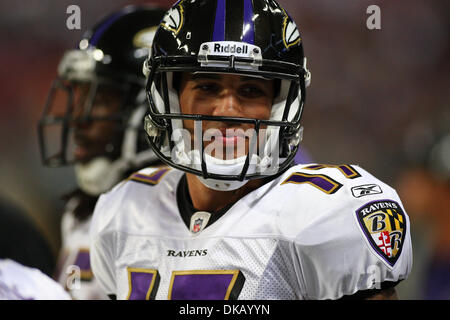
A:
(231, 48)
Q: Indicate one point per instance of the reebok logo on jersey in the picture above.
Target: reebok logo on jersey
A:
(189, 253)
(365, 190)
(383, 223)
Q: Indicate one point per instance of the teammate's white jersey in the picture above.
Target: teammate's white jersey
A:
(18, 282)
(74, 269)
(315, 232)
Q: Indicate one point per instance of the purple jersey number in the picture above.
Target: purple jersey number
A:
(347, 170)
(142, 283)
(187, 285)
(84, 263)
(206, 285)
(321, 181)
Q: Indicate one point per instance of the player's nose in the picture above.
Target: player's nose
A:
(79, 119)
(228, 104)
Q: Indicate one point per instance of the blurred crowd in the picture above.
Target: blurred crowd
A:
(378, 98)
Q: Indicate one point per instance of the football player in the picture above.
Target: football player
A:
(230, 217)
(95, 111)
(19, 282)
(424, 185)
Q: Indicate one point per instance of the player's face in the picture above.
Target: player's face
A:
(94, 135)
(230, 96)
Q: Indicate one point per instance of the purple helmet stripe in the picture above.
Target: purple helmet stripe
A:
(248, 34)
(219, 23)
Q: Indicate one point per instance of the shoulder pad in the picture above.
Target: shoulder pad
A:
(149, 176)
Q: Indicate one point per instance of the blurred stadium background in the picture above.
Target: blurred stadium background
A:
(377, 99)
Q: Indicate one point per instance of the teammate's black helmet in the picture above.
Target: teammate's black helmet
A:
(254, 38)
(109, 59)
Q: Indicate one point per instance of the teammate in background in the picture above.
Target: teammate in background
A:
(424, 185)
(21, 240)
(95, 109)
(231, 217)
(19, 282)
(26, 260)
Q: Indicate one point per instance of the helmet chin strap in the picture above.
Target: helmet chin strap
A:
(99, 174)
(222, 185)
(228, 167)
(225, 167)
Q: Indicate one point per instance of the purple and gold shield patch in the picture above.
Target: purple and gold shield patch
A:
(383, 222)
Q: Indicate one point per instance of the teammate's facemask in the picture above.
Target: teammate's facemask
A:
(249, 38)
(101, 84)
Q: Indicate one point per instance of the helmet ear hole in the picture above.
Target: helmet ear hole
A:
(276, 88)
(281, 100)
(176, 81)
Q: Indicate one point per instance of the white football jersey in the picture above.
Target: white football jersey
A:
(315, 232)
(74, 269)
(18, 282)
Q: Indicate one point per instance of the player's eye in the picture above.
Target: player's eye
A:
(207, 87)
(252, 91)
